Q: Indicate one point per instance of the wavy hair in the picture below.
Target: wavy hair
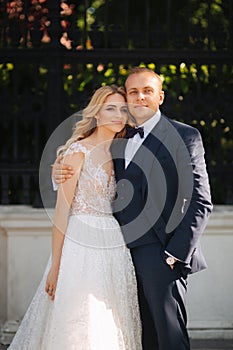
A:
(87, 125)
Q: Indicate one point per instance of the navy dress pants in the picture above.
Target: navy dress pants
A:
(161, 292)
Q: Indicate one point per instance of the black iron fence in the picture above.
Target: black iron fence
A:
(54, 54)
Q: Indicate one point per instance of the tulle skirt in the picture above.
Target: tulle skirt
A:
(95, 306)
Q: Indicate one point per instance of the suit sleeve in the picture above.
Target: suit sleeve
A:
(192, 172)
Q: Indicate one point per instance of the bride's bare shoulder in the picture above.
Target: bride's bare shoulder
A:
(88, 143)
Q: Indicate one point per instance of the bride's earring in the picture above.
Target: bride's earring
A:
(97, 120)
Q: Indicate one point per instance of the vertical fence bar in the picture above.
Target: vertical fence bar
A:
(5, 188)
(209, 24)
(230, 19)
(5, 20)
(126, 24)
(55, 29)
(36, 119)
(188, 14)
(106, 34)
(15, 115)
(147, 19)
(168, 19)
(26, 6)
(55, 70)
(86, 6)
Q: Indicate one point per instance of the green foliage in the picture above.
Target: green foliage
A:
(197, 94)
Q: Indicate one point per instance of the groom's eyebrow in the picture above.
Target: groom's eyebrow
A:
(133, 88)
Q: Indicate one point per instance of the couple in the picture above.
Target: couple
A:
(94, 281)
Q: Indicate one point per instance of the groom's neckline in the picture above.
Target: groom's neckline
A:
(151, 123)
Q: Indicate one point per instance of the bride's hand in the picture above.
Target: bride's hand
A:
(60, 171)
(51, 282)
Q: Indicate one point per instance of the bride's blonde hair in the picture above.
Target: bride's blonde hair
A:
(87, 125)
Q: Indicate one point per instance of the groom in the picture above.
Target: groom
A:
(163, 204)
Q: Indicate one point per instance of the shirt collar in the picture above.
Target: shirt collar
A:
(150, 123)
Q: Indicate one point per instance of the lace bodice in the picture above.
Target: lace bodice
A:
(95, 190)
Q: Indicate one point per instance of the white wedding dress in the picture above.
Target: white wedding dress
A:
(95, 306)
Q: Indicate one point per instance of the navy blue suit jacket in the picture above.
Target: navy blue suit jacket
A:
(164, 193)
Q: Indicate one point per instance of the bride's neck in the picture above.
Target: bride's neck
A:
(100, 137)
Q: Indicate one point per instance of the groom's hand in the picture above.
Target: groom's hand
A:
(60, 171)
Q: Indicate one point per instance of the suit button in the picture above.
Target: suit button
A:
(122, 197)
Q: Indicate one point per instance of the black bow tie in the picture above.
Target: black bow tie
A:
(130, 132)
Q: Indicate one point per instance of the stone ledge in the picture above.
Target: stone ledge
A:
(24, 220)
(211, 333)
(17, 219)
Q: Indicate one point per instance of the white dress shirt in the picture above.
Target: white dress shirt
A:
(135, 142)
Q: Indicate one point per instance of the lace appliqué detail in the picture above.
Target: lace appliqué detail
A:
(95, 190)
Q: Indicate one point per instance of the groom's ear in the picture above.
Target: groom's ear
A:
(161, 95)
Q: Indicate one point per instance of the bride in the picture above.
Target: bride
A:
(87, 299)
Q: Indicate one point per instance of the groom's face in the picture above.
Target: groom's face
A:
(144, 95)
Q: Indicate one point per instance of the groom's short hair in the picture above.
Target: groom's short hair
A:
(138, 70)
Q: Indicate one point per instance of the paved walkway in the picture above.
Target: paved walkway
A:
(196, 345)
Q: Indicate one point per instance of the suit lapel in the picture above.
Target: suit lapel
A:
(145, 154)
(118, 154)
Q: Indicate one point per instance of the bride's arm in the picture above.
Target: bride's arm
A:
(65, 196)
